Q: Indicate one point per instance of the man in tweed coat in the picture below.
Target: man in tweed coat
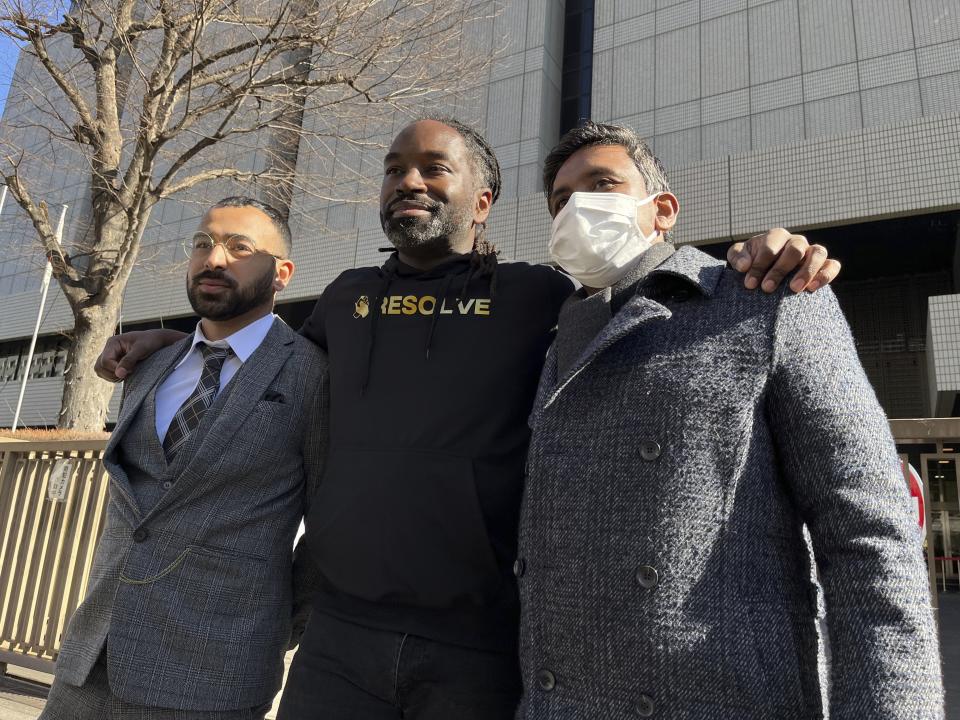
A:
(217, 449)
(684, 433)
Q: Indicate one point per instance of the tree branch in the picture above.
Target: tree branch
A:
(40, 218)
(36, 39)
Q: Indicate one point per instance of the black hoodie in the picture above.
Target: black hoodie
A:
(432, 378)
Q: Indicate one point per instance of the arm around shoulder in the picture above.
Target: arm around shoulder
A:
(839, 459)
(123, 352)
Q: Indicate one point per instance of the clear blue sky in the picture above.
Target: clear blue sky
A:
(8, 61)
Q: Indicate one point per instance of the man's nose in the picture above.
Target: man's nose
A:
(411, 181)
(217, 257)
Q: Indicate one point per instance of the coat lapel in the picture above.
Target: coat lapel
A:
(150, 374)
(688, 264)
(636, 312)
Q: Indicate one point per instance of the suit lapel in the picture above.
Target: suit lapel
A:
(150, 374)
(217, 430)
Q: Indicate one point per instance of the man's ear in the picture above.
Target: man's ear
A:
(668, 207)
(481, 205)
(285, 270)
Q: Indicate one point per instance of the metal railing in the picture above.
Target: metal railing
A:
(52, 501)
(52, 514)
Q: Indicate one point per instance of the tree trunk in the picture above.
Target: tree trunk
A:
(86, 396)
(284, 142)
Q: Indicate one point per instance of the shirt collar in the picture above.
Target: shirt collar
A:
(243, 342)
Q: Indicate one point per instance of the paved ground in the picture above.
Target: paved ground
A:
(21, 700)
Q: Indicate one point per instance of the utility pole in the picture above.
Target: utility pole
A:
(47, 274)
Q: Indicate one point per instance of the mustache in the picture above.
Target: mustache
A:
(212, 275)
(431, 205)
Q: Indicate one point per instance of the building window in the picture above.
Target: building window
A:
(49, 358)
(577, 82)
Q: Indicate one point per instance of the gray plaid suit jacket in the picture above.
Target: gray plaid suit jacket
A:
(673, 465)
(194, 596)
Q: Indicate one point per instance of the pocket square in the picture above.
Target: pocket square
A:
(272, 396)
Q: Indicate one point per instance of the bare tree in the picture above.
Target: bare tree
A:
(152, 96)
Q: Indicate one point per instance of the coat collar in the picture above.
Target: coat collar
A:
(694, 266)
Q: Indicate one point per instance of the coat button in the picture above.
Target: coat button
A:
(519, 567)
(649, 450)
(647, 576)
(140, 534)
(167, 485)
(645, 706)
(546, 680)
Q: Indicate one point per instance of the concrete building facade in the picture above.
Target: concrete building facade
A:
(838, 118)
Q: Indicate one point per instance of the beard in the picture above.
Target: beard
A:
(233, 302)
(426, 236)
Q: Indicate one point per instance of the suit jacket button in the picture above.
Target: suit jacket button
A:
(140, 534)
(645, 706)
(167, 485)
(647, 577)
(519, 567)
(546, 680)
(650, 450)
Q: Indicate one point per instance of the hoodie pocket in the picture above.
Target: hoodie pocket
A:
(403, 527)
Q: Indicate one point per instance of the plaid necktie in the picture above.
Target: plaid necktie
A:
(191, 412)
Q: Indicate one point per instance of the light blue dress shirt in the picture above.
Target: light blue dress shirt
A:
(182, 381)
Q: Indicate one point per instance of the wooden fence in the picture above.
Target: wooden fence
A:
(52, 502)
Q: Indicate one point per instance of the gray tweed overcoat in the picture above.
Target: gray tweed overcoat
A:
(674, 462)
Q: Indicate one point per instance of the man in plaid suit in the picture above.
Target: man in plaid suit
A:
(193, 595)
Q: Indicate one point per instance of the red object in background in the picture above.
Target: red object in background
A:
(916, 492)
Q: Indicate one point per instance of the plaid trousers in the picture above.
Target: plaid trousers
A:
(94, 701)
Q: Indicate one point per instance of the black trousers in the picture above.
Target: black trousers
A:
(344, 671)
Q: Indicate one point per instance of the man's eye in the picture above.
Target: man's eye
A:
(392, 170)
(242, 248)
(438, 169)
(605, 183)
(560, 203)
(202, 244)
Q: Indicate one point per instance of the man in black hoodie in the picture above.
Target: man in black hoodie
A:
(434, 362)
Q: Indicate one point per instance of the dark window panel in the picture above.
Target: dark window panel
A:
(577, 80)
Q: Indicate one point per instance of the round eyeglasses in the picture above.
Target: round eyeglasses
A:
(239, 247)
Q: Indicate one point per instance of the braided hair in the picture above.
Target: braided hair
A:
(483, 258)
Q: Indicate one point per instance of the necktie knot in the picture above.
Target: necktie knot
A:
(188, 417)
(212, 354)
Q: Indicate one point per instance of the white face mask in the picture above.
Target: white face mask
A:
(596, 239)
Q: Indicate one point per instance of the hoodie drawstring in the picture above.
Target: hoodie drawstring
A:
(441, 297)
(377, 302)
(482, 262)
